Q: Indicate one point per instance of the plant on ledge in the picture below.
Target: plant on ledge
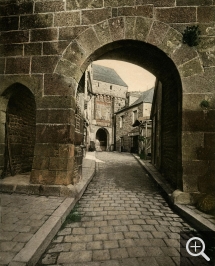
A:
(191, 35)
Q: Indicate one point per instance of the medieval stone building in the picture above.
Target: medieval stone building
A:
(137, 108)
(46, 46)
(106, 95)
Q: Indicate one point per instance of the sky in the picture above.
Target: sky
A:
(137, 78)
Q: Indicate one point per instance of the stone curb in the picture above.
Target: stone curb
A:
(36, 246)
(196, 219)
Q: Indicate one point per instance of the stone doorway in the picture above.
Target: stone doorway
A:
(101, 140)
(19, 131)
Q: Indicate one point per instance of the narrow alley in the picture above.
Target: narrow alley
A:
(122, 219)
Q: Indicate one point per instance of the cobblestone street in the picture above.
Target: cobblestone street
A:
(124, 221)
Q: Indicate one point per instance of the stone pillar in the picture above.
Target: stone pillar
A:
(55, 132)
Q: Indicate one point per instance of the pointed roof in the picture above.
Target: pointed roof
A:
(146, 97)
(107, 74)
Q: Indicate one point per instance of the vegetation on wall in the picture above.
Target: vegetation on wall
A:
(191, 35)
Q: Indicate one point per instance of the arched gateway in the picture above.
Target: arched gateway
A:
(140, 36)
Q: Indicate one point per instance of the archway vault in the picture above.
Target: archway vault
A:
(148, 43)
(152, 45)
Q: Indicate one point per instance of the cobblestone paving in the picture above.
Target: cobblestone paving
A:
(19, 221)
(124, 221)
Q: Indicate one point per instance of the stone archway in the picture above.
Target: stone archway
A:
(101, 139)
(148, 43)
(19, 127)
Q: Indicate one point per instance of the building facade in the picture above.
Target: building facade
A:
(105, 96)
(137, 108)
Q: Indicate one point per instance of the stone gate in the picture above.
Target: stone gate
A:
(47, 45)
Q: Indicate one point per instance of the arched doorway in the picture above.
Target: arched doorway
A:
(101, 139)
(19, 127)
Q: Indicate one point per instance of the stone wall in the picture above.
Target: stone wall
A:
(47, 46)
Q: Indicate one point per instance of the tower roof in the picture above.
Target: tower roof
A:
(106, 74)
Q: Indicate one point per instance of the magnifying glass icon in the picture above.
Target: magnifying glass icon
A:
(195, 246)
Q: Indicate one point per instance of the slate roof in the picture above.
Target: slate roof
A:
(107, 74)
(146, 97)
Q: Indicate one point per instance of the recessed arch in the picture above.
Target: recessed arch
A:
(101, 137)
(18, 125)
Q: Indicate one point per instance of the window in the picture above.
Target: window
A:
(121, 120)
(134, 116)
(111, 87)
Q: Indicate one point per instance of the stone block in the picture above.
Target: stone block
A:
(201, 83)
(40, 162)
(130, 23)
(49, 6)
(193, 2)
(94, 16)
(69, 69)
(53, 133)
(16, 8)
(9, 23)
(157, 33)
(206, 51)
(171, 42)
(70, 33)
(83, 4)
(184, 54)
(78, 138)
(2, 65)
(46, 150)
(67, 19)
(32, 49)
(198, 121)
(14, 37)
(75, 53)
(164, 3)
(207, 29)
(206, 180)
(47, 177)
(36, 21)
(206, 152)
(117, 28)
(50, 34)
(66, 150)
(54, 48)
(60, 164)
(205, 14)
(43, 64)
(191, 68)
(57, 116)
(55, 84)
(33, 82)
(190, 183)
(18, 65)
(191, 142)
(103, 32)
(56, 102)
(179, 197)
(63, 178)
(144, 11)
(117, 3)
(176, 14)
(89, 41)
(143, 26)
(192, 101)
(11, 50)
